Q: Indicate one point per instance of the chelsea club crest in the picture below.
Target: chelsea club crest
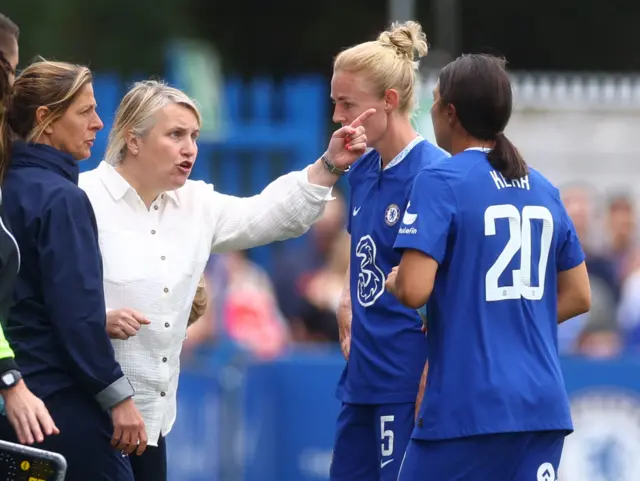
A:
(606, 442)
(392, 215)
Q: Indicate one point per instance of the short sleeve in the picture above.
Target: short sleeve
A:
(428, 217)
(569, 251)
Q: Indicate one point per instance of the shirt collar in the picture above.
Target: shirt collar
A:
(400, 157)
(118, 186)
(479, 149)
(45, 157)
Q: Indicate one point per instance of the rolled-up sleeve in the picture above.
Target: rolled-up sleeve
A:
(74, 297)
(286, 208)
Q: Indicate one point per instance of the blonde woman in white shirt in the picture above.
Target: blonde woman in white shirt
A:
(157, 229)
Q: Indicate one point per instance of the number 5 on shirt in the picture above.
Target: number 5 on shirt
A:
(520, 239)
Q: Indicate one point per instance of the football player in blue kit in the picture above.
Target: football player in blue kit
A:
(486, 241)
(381, 338)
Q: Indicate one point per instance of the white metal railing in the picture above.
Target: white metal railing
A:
(568, 91)
(570, 126)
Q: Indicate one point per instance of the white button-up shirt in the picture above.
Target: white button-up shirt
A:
(153, 259)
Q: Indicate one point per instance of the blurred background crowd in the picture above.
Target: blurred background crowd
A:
(296, 303)
(201, 45)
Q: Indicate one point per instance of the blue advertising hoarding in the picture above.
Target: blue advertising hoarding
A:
(278, 421)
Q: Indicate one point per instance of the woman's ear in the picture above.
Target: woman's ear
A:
(42, 113)
(133, 143)
(391, 100)
(451, 114)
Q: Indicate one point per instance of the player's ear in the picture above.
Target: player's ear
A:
(452, 118)
(391, 100)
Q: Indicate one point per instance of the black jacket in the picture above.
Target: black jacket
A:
(9, 267)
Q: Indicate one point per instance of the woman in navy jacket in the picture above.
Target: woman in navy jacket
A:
(57, 325)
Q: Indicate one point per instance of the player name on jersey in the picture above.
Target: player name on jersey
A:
(503, 183)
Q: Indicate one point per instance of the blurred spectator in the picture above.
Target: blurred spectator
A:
(628, 313)
(200, 302)
(324, 287)
(599, 343)
(596, 332)
(599, 336)
(242, 308)
(579, 201)
(296, 261)
(621, 230)
(321, 291)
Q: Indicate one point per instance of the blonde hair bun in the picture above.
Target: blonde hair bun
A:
(407, 38)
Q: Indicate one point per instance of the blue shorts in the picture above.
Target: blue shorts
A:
(370, 441)
(530, 456)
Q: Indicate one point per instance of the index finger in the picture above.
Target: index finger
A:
(33, 426)
(117, 434)
(130, 328)
(22, 430)
(362, 117)
(47, 422)
(139, 317)
(143, 443)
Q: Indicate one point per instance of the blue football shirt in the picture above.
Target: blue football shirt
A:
(388, 349)
(499, 244)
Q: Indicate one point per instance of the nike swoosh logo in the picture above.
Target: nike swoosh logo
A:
(356, 210)
(407, 218)
(383, 464)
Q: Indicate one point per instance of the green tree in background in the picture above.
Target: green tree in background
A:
(283, 37)
(108, 35)
(275, 37)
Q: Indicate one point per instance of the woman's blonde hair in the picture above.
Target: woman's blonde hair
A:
(44, 83)
(200, 302)
(390, 62)
(137, 111)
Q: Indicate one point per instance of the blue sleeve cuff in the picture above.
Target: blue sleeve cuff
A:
(571, 263)
(405, 242)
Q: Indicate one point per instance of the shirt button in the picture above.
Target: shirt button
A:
(166, 289)
(155, 207)
(163, 393)
(164, 359)
(166, 324)
(153, 232)
(163, 258)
